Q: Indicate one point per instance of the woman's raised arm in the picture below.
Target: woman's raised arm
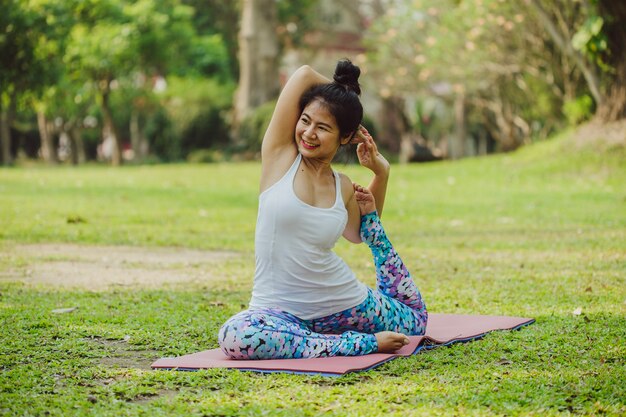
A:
(280, 132)
(278, 148)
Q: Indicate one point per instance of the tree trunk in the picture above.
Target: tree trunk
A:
(614, 14)
(110, 131)
(48, 151)
(394, 123)
(482, 142)
(501, 124)
(258, 57)
(138, 139)
(135, 133)
(508, 141)
(457, 140)
(407, 149)
(614, 106)
(6, 118)
(78, 146)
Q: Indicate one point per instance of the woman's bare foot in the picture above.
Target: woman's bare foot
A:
(365, 199)
(389, 342)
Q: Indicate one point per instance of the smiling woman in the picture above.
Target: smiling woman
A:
(306, 302)
(317, 126)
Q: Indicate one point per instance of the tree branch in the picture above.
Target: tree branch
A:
(564, 44)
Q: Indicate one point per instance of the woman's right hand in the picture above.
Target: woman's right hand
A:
(364, 198)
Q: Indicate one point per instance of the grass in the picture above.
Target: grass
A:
(538, 233)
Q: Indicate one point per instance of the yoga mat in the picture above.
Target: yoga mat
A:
(442, 330)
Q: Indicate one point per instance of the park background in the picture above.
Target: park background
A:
(130, 137)
(160, 81)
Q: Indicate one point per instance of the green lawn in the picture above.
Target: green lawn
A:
(539, 233)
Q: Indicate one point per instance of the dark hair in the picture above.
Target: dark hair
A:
(341, 97)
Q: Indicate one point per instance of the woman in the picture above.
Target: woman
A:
(306, 302)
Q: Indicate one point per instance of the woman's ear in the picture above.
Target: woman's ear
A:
(346, 139)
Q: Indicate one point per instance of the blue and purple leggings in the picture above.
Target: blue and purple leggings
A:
(396, 305)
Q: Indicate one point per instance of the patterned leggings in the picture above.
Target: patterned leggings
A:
(397, 306)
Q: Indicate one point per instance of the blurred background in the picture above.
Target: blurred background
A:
(147, 81)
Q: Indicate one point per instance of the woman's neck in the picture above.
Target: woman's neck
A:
(318, 167)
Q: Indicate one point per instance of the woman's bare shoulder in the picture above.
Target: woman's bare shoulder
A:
(347, 190)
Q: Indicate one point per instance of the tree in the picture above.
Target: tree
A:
(114, 44)
(614, 13)
(61, 110)
(491, 62)
(596, 46)
(258, 56)
(30, 47)
(225, 28)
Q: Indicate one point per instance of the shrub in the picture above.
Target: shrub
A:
(207, 129)
(579, 109)
(203, 156)
(197, 108)
(164, 142)
(254, 126)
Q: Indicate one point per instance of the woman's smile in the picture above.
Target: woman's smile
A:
(308, 145)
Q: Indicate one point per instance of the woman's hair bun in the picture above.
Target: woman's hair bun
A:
(347, 74)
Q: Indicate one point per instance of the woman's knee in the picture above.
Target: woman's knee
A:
(249, 334)
(231, 336)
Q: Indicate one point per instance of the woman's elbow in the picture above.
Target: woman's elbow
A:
(353, 237)
(305, 69)
(307, 74)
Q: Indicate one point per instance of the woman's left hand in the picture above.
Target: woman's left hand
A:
(368, 154)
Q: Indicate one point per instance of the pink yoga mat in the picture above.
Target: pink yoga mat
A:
(442, 329)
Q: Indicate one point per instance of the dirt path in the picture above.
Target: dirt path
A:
(105, 267)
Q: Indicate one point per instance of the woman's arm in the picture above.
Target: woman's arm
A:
(279, 133)
(352, 231)
(278, 148)
(370, 158)
(378, 187)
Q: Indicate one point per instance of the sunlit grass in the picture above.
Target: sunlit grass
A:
(540, 233)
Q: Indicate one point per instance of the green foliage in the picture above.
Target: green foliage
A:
(91, 141)
(538, 233)
(67, 99)
(433, 118)
(208, 129)
(209, 57)
(297, 18)
(368, 123)
(497, 54)
(162, 137)
(101, 52)
(226, 27)
(253, 127)
(197, 108)
(164, 33)
(578, 110)
(592, 41)
(113, 38)
(31, 38)
(64, 57)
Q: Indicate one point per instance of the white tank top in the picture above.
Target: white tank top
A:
(296, 269)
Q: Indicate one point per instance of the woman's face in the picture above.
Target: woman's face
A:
(317, 133)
